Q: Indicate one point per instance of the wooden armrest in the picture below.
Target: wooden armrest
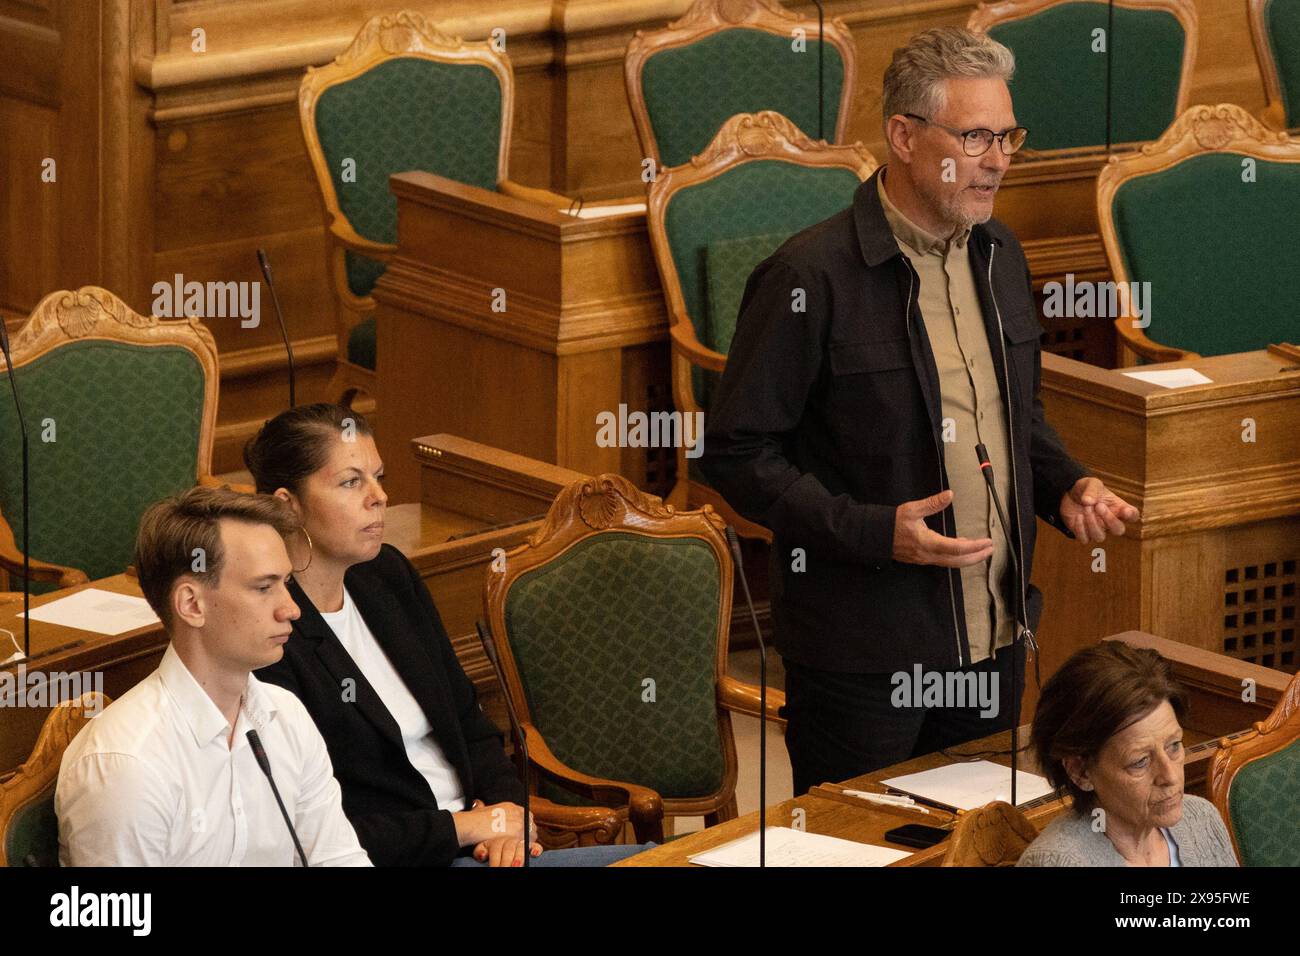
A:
(686, 344)
(212, 481)
(601, 823)
(645, 808)
(342, 230)
(741, 698)
(1137, 342)
(545, 197)
(11, 560)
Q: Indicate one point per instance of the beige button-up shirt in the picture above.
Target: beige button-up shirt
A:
(973, 413)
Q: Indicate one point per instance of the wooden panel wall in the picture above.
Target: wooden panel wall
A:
(172, 160)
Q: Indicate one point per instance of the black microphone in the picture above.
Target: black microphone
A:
(27, 524)
(490, 649)
(734, 542)
(259, 753)
(1022, 615)
(265, 263)
(821, 46)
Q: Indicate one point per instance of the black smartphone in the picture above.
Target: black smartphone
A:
(917, 835)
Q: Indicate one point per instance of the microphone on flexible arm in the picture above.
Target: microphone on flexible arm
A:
(259, 753)
(265, 263)
(27, 524)
(490, 649)
(1021, 614)
(821, 46)
(734, 542)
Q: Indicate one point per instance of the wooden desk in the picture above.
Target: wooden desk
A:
(1215, 709)
(1214, 562)
(513, 324)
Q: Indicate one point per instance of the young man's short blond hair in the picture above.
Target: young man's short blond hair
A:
(914, 78)
(173, 531)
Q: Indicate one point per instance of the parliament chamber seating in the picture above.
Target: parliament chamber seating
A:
(714, 219)
(1255, 784)
(403, 96)
(121, 410)
(724, 57)
(1206, 215)
(1075, 70)
(613, 624)
(1275, 32)
(29, 830)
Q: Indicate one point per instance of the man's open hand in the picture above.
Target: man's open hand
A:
(915, 543)
(1090, 510)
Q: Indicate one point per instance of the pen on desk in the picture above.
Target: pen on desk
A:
(886, 799)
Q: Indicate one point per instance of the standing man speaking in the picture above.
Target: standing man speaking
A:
(873, 352)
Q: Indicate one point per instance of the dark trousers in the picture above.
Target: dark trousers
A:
(844, 725)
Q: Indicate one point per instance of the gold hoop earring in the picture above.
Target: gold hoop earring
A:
(311, 550)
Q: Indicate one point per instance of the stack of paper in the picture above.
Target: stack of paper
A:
(103, 612)
(786, 847)
(969, 786)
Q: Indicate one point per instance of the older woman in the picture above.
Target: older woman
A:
(425, 779)
(1107, 732)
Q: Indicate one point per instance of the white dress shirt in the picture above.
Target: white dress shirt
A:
(154, 781)
(422, 750)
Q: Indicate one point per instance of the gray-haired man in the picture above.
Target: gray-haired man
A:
(849, 427)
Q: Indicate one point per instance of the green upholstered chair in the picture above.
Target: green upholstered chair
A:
(29, 830)
(121, 411)
(734, 56)
(1207, 215)
(1255, 783)
(403, 96)
(1059, 87)
(711, 222)
(1275, 31)
(612, 623)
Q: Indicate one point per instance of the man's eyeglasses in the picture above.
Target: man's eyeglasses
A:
(976, 142)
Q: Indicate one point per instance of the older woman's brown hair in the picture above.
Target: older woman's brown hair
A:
(1097, 693)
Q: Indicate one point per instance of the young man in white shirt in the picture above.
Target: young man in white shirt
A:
(166, 776)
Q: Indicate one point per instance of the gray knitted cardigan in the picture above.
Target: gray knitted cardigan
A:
(1069, 840)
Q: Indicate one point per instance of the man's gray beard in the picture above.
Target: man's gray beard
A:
(955, 217)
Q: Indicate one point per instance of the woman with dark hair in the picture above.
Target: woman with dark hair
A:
(425, 778)
(1107, 732)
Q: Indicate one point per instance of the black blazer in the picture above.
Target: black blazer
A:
(389, 803)
(829, 415)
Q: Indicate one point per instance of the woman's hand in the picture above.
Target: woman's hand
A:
(504, 851)
(483, 824)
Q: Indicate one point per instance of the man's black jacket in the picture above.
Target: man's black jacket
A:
(387, 800)
(829, 416)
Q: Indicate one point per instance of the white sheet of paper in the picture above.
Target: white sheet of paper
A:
(599, 212)
(103, 612)
(1171, 377)
(786, 847)
(969, 786)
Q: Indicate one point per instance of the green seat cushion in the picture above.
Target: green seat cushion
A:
(361, 344)
(759, 203)
(690, 91)
(32, 838)
(113, 428)
(1282, 24)
(727, 265)
(1059, 88)
(1220, 253)
(589, 629)
(403, 114)
(1264, 804)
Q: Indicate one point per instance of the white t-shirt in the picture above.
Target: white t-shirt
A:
(422, 750)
